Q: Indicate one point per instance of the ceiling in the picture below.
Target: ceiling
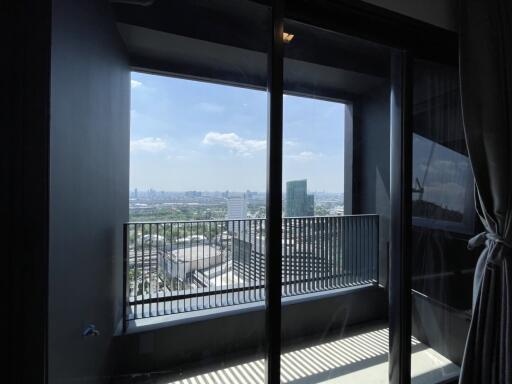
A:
(226, 41)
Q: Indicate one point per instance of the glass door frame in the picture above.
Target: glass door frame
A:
(411, 39)
(273, 238)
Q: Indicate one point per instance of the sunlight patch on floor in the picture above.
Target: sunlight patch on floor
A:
(360, 358)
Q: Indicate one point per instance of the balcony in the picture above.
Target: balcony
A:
(174, 268)
(359, 355)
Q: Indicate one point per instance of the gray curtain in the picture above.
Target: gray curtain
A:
(486, 91)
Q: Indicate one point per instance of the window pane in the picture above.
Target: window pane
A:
(313, 179)
(193, 145)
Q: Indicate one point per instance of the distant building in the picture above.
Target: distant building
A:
(182, 262)
(237, 206)
(250, 195)
(298, 202)
(337, 211)
(193, 194)
(188, 241)
(237, 210)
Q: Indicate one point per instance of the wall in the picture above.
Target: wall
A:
(441, 13)
(371, 159)
(89, 158)
(24, 161)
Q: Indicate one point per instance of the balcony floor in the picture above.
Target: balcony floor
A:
(360, 357)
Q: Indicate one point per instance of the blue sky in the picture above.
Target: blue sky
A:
(191, 135)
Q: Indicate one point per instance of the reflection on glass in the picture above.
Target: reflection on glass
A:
(442, 182)
(443, 218)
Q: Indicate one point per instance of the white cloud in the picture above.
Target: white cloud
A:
(210, 107)
(234, 142)
(176, 157)
(135, 84)
(305, 156)
(291, 143)
(148, 144)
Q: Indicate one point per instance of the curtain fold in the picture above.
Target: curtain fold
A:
(486, 92)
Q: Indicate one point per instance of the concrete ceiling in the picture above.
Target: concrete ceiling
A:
(221, 41)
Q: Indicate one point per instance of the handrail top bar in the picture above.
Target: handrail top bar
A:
(247, 219)
(194, 221)
(330, 216)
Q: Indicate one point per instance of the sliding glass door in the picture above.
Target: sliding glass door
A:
(336, 207)
(376, 192)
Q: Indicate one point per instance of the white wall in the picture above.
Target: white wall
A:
(442, 13)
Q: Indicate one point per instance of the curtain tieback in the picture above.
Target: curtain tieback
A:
(481, 238)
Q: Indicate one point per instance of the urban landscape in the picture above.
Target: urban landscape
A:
(152, 205)
(199, 250)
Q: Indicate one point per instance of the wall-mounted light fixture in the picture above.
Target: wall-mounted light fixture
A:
(287, 37)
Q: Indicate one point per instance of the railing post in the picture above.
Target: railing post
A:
(126, 289)
(377, 248)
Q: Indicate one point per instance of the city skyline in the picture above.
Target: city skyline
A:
(190, 135)
(218, 191)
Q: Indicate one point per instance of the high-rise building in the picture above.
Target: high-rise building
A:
(298, 202)
(237, 209)
(237, 206)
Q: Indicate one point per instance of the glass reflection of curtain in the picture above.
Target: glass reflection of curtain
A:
(443, 212)
(439, 168)
(437, 113)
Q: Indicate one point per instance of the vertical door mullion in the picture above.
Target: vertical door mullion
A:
(400, 247)
(273, 244)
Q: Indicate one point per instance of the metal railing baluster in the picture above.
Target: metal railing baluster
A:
(309, 263)
(157, 269)
(286, 262)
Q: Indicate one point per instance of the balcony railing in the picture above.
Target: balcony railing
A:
(175, 267)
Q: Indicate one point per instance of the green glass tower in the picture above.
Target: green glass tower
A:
(298, 202)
